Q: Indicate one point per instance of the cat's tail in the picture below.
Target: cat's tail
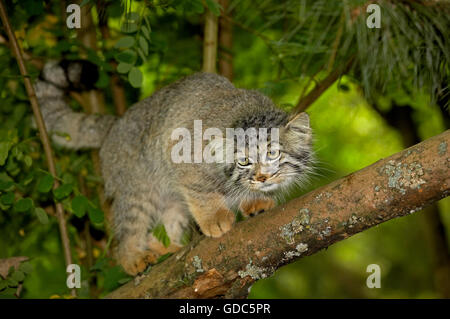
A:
(66, 127)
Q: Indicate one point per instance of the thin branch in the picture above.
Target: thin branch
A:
(117, 89)
(321, 87)
(42, 132)
(227, 266)
(225, 42)
(210, 42)
(267, 41)
(87, 34)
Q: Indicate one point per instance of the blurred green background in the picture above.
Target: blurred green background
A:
(391, 98)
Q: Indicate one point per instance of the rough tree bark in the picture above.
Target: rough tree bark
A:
(226, 267)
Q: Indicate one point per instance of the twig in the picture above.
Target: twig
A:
(117, 89)
(267, 41)
(42, 132)
(88, 36)
(321, 87)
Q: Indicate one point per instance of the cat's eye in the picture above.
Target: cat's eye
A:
(273, 154)
(243, 161)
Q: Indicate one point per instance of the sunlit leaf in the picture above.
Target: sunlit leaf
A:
(127, 56)
(135, 77)
(41, 215)
(124, 67)
(125, 42)
(160, 233)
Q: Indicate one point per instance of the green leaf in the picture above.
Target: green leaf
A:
(79, 205)
(125, 42)
(160, 233)
(41, 215)
(132, 16)
(26, 267)
(18, 276)
(135, 77)
(23, 205)
(124, 67)
(27, 180)
(129, 27)
(7, 199)
(186, 237)
(6, 185)
(214, 7)
(195, 6)
(124, 280)
(146, 32)
(45, 184)
(141, 54)
(11, 282)
(143, 44)
(3, 284)
(62, 191)
(100, 265)
(95, 215)
(127, 56)
(28, 160)
(4, 149)
(112, 277)
(103, 80)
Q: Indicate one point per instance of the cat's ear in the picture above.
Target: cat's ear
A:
(298, 129)
(299, 121)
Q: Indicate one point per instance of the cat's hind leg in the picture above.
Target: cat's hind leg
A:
(133, 218)
(175, 218)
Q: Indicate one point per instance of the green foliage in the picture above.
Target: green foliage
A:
(95, 215)
(45, 184)
(111, 277)
(278, 47)
(160, 233)
(9, 285)
(214, 6)
(80, 205)
(41, 215)
(410, 49)
(135, 44)
(62, 191)
(135, 77)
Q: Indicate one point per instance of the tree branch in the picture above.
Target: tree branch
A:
(226, 267)
(87, 34)
(42, 132)
(210, 42)
(321, 87)
(225, 42)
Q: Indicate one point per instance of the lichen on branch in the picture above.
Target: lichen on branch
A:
(393, 187)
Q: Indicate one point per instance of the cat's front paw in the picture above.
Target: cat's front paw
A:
(254, 207)
(218, 224)
(136, 261)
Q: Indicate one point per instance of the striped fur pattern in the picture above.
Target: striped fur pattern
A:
(148, 188)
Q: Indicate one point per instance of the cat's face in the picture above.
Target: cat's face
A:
(276, 165)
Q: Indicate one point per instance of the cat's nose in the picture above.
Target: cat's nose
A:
(262, 177)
